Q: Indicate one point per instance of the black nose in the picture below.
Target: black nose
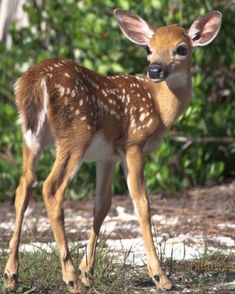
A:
(157, 71)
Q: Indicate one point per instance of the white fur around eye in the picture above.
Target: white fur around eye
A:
(180, 57)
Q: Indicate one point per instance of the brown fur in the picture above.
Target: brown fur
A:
(88, 116)
(129, 112)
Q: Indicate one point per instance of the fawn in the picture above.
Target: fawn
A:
(88, 116)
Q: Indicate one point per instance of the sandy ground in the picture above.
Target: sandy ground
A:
(183, 228)
(180, 225)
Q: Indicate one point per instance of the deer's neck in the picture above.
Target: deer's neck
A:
(172, 97)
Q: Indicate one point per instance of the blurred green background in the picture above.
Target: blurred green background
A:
(200, 148)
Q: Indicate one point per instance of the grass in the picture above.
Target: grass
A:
(40, 273)
(212, 272)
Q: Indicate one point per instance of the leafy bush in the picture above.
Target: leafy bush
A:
(200, 148)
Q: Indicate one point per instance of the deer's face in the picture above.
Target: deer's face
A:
(169, 48)
(169, 53)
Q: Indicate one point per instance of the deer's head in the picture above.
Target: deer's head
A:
(169, 48)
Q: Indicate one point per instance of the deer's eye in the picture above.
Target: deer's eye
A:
(148, 50)
(182, 50)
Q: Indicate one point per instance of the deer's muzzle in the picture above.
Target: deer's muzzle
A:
(158, 71)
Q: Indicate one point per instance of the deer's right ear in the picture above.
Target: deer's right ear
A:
(134, 27)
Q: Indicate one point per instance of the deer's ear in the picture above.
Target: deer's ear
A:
(134, 27)
(205, 28)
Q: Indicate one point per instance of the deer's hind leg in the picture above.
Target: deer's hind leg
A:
(68, 160)
(30, 157)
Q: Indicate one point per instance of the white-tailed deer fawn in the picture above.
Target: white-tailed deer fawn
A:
(88, 116)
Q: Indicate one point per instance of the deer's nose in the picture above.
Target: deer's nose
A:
(158, 71)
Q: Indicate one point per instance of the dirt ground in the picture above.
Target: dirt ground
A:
(199, 215)
(201, 211)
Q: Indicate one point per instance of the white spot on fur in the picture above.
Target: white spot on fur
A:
(142, 116)
(103, 91)
(132, 122)
(149, 122)
(61, 90)
(66, 75)
(73, 93)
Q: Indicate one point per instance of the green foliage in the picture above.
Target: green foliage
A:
(87, 32)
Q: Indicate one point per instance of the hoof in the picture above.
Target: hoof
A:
(156, 278)
(76, 287)
(162, 282)
(11, 281)
(70, 284)
(86, 279)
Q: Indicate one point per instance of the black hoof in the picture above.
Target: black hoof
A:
(156, 278)
(70, 284)
(8, 277)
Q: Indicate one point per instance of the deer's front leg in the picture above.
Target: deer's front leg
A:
(133, 165)
(54, 187)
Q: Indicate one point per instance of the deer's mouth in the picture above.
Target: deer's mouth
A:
(158, 72)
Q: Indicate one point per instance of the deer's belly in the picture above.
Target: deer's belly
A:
(153, 141)
(100, 149)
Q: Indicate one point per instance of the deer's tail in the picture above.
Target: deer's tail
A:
(32, 104)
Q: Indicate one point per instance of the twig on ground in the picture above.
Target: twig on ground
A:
(30, 291)
(206, 139)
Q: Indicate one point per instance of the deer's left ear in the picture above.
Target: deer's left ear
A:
(134, 27)
(205, 28)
